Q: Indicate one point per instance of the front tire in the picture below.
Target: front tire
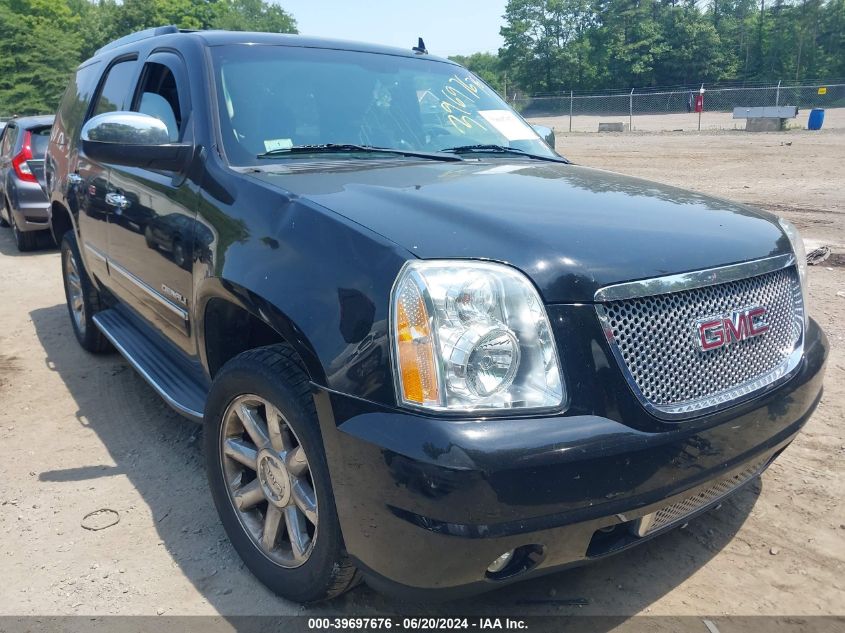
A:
(269, 479)
(83, 299)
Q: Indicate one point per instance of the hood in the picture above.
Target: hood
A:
(571, 229)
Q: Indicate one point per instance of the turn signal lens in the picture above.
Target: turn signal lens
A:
(415, 348)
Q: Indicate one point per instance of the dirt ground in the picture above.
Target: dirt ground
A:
(80, 433)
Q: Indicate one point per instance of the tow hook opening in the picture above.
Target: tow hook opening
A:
(515, 562)
(612, 538)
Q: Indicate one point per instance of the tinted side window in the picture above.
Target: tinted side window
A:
(75, 103)
(115, 92)
(159, 97)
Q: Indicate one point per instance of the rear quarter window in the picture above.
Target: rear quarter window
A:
(115, 93)
(75, 103)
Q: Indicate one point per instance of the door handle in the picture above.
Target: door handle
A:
(74, 179)
(117, 200)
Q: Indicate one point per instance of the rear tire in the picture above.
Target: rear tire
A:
(267, 386)
(24, 240)
(83, 299)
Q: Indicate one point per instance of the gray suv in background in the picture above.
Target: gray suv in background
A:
(23, 203)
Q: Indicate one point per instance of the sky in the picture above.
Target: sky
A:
(449, 27)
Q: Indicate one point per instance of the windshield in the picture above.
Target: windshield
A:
(273, 98)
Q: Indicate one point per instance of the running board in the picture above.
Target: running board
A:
(172, 377)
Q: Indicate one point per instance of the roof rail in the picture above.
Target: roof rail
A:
(137, 36)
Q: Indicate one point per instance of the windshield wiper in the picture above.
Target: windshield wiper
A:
(337, 148)
(501, 149)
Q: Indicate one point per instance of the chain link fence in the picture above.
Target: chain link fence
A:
(674, 110)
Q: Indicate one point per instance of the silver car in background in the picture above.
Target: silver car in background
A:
(23, 203)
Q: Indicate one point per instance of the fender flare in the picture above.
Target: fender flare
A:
(263, 310)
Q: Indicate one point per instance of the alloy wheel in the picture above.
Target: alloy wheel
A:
(268, 480)
(74, 291)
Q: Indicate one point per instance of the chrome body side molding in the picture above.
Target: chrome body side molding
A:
(155, 294)
(97, 253)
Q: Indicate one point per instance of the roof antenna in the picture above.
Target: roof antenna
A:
(420, 48)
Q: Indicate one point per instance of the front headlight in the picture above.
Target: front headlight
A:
(472, 336)
(801, 259)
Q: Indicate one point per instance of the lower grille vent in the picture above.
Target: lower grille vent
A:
(680, 510)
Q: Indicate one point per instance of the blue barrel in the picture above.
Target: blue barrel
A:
(816, 119)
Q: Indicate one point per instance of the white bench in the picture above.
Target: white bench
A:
(765, 118)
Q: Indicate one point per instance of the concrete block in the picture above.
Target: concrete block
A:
(764, 124)
(611, 127)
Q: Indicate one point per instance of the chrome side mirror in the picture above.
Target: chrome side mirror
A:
(547, 133)
(126, 128)
(134, 140)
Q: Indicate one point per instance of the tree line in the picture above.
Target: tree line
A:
(553, 46)
(43, 41)
(550, 46)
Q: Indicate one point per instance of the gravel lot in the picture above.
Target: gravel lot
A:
(80, 433)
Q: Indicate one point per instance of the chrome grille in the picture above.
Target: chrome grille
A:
(654, 338)
(679, 510)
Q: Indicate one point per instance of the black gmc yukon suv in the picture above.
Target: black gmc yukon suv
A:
(427, 350)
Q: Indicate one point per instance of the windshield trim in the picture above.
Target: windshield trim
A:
(387, 52)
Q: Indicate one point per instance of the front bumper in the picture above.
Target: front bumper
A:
(426, 504)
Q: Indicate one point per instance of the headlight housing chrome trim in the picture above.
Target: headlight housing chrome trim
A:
(485, 328)
(800, 254)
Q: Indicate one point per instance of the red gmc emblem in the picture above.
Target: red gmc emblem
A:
(718, 331)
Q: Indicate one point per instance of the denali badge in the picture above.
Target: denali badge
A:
(170, 292)
(717, 331)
